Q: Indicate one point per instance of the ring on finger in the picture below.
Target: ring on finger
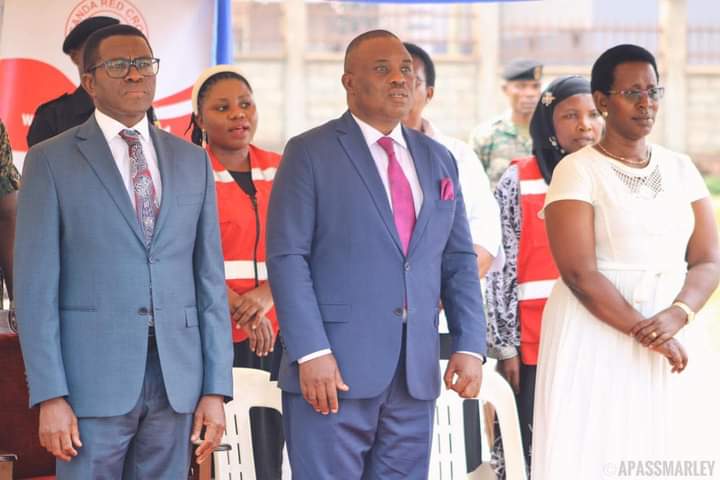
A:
(653, 335)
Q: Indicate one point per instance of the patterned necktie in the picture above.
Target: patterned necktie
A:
(146, 206)
(400, 195)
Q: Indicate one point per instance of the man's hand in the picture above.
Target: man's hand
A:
(320, 380)
(210, 414)
(510, 371)
(484, 260)
(468, 370)
(251, 306)
(262, 338)
(659, 328)
(58, 429)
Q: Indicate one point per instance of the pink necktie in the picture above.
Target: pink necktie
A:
(146, 206)
(400, 195)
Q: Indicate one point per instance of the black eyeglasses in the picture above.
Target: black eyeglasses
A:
(120, 67)
(634, 95)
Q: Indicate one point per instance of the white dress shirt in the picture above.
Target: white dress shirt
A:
(121, 154)
(483, 212)
(402, 153)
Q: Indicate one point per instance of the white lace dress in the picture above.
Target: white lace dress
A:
(602, 398)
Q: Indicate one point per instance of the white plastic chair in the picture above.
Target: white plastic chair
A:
(447, 457)
(252, 388)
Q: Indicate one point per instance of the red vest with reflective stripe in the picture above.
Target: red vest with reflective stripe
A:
(241, 240)
(536, 270)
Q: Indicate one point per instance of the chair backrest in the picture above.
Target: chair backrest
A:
(497, 391)
(252, 388)
(447, 457)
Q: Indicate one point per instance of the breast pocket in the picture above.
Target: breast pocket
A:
(443, 216)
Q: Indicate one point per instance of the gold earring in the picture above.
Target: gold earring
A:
(204, 138)
(605, 114)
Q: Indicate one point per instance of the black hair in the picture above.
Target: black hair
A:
(196, 136)
(357, 41)
(603, 70)
(427, 62)
(92, 44)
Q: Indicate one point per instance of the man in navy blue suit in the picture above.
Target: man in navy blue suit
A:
(367, 234)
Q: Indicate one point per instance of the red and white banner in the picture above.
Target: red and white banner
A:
(33, 68)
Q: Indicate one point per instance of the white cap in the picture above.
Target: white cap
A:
(207, 74)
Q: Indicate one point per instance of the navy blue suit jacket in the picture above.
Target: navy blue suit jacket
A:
(338, 273)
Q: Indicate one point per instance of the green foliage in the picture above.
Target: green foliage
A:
(713, 184)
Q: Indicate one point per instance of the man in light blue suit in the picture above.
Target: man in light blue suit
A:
(121, 302)
(367, 233)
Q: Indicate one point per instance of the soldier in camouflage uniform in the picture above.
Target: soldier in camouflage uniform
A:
(9, 183)
(508, 137)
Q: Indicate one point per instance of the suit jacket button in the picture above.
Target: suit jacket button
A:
(398, 311)
(407, 266)
(142, 311)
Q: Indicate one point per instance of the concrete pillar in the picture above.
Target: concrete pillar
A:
(295, 78)
(486, 25)
(673, 48)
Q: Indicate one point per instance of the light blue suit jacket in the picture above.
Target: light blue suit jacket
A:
(338, 273)
(85, 279)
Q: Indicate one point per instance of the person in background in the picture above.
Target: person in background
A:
(565, 120)
(632, 231)
(9, 184)
(70, 109)
(507, 137)
(482, 211)
(224, 120)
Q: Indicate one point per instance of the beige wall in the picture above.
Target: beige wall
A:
(703, 111)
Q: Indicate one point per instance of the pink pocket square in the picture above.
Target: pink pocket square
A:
(446, 189)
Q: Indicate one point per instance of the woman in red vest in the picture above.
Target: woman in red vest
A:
(224, 120)
(564, 121)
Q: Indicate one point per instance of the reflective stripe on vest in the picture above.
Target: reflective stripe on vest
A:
(533, 187)
(267, 174)
(244, 270)
(535, 290)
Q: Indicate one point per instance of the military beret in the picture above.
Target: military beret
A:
(82, 31)
(523, 70)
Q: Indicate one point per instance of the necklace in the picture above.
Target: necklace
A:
(623, 159)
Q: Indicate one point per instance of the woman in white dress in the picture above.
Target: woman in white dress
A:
(632, 231)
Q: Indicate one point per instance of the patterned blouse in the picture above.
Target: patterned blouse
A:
(9, 177)
(502, 292)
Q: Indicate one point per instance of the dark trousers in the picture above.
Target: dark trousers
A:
(150, 442)
(266, 423)
(387, 437)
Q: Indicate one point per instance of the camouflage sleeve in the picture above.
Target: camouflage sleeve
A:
(481, 142)
(9, 176)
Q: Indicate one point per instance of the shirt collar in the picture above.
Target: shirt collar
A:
(111, 127)
(372, 134)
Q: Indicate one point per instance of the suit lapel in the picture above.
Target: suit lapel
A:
(97, 153)
(424, 168)
(353, 142)
(167, 174)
